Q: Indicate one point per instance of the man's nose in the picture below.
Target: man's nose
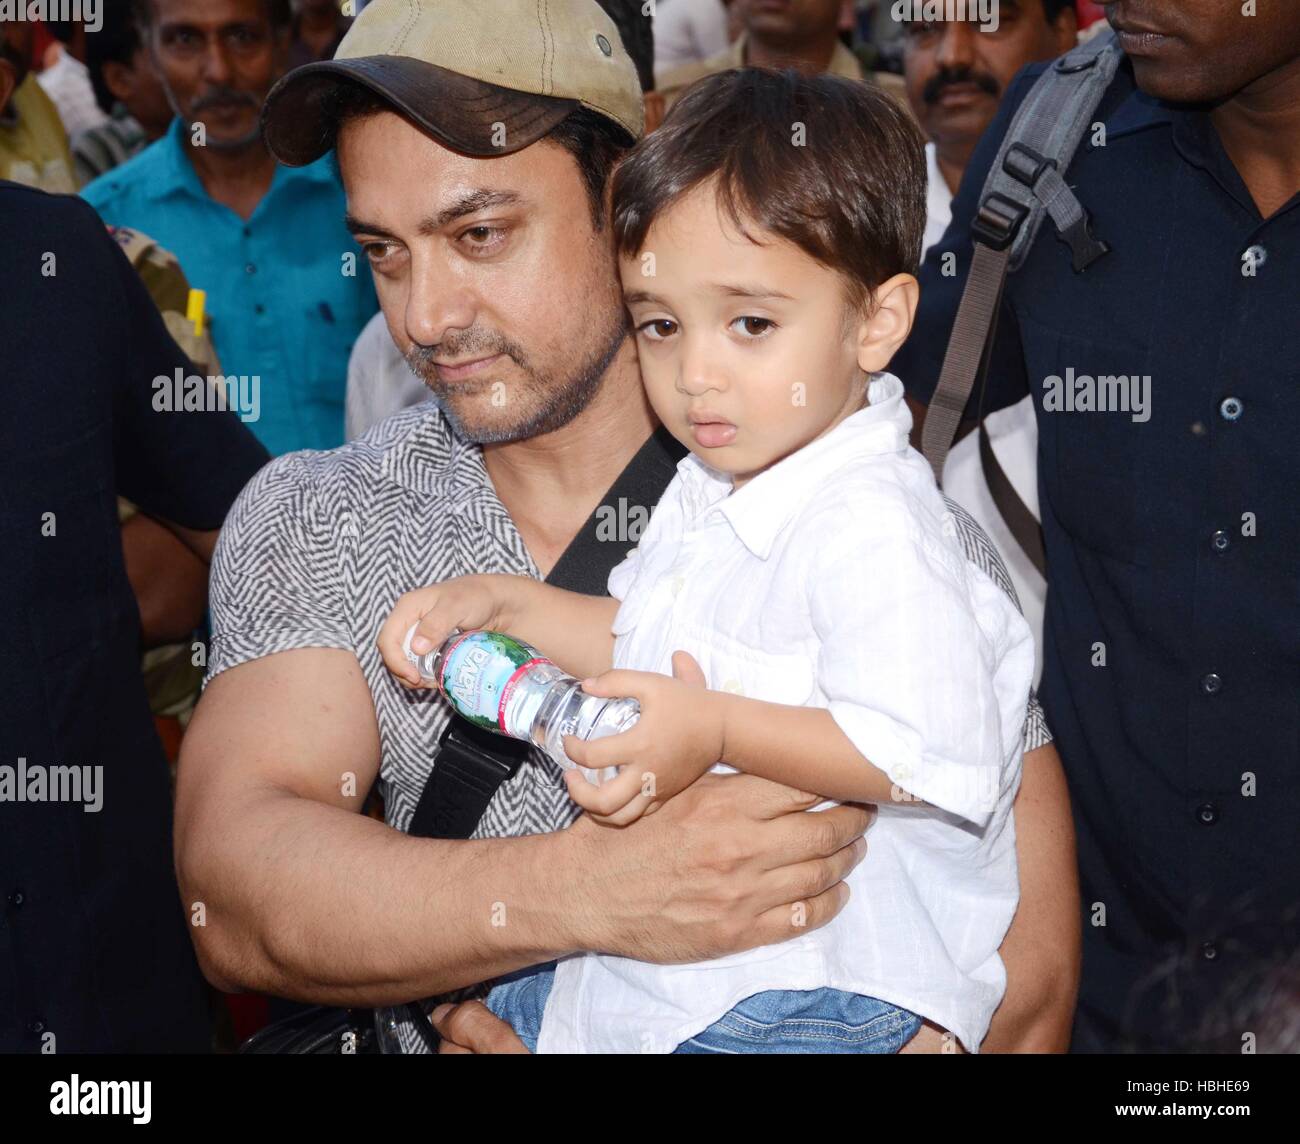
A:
(437, 304)
(957, 45)
(216, 63)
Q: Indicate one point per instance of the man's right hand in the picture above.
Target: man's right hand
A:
(731, 863)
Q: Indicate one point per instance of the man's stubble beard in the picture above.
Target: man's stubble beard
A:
(558, 401)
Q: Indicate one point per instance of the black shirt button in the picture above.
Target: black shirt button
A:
(259, 308)
(1207, 814)
(251, 269)
(1230, 408)
(1220, 541)
(16, 899)
(36, 1025)
(1211, 684)
(1209, 950)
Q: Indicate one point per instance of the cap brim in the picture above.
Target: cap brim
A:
(299, 120)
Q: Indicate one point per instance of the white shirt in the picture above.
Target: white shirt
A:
(938, 200)
(834, 579)
(67, 83)
(379, 380)
(688, 31)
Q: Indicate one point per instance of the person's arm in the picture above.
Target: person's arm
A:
(1042, 951)
(170, 583)
(569, 628)
(304, 897)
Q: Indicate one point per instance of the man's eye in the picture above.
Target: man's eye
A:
(753, 327)
(658, 329)
(481, 238)
(377, 251)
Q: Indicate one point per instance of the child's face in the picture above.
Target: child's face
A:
(747, 352)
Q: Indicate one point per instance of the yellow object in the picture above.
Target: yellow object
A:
(194, 310)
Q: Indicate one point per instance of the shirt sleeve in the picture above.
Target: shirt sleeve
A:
(186, 467)
(943, 279)
(910, 675)
(275, 575)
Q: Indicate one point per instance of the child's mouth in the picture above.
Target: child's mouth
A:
(713, 433)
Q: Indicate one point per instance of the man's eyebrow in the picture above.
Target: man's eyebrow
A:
(469, 203)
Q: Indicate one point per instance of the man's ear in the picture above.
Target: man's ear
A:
(8, 81)
(119, 79)
(886, 327)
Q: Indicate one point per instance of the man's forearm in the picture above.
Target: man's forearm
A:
(359, 913)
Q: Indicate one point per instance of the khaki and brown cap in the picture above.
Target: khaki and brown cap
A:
(483, 77)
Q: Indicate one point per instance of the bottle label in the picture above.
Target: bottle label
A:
(481, 671)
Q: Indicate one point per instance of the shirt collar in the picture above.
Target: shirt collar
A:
(178, 176)
(760, 509)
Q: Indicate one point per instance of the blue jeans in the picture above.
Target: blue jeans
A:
(776, 1021)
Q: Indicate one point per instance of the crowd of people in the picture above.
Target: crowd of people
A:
(308, 306)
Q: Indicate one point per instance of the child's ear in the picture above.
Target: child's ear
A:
(886, 327)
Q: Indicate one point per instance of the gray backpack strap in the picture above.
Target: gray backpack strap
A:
(1024, 186)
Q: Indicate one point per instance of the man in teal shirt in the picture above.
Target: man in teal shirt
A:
(286, 291)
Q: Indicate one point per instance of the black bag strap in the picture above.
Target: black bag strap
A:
(1025, 186)
(471, 763)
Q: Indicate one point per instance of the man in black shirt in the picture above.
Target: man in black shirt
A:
(1167, 393)
(94, 952)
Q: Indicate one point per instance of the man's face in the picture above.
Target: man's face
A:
(1204, 51)
(792, 21)
(747, 346)
(218, 59)
(956, 73)
(492, 278)
(137, 87)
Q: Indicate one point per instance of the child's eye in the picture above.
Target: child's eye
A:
(658, 329)
(753, 327)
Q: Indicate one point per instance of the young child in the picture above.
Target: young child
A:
(803, 556)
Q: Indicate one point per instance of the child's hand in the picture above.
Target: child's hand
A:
(466, 602)
(678, 737)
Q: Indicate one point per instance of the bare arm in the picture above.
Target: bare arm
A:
(1042, 949)
(170, 583)
(306, 898)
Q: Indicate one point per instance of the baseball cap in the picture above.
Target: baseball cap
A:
(483, 77)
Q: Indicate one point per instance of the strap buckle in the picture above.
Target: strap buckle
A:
(1025, 165)
(998, 221)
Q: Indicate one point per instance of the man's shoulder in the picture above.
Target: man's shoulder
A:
(38, 218)
(128, 178)
(351, 474)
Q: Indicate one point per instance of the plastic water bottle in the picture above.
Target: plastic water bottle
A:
(507, 686)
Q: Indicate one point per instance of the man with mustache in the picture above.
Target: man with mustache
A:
(285, 296)
(956, 72)
(1172, 654)
(480, 202)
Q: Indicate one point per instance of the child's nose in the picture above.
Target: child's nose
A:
(701, 371)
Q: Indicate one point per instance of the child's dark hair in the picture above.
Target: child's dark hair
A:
(833, 165)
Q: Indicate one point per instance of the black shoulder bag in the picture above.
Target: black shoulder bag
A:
(471, 764)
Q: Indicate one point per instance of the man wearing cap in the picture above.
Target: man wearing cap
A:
(475, 141)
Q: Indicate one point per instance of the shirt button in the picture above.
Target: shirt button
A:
(1207, 814)
(1211, 684)
(677, 584)
(16, 899)
(250, 269)
(1220, 541)
(36, 1025)
(1257, 256)
(733, 685)
(1230, 408)
(1209, 950)
(259, 309)
(248, 232)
